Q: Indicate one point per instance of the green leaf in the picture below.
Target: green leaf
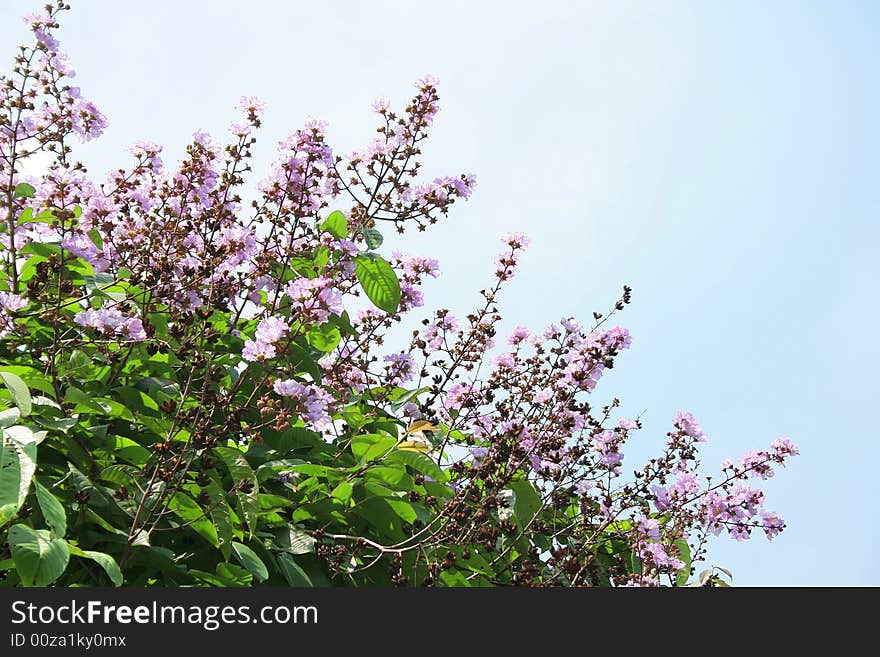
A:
(324, 337)
(227, 574)
(379, 281)
(106, 562)
(188, 510)
(294, 575)
(220, 516)
(78, 364)
(370, 446)
(41, 248)
(294, 540)
(684, 553)
(17, 466)
(84, 402)
(393, 476)
(405, 396)
(420, 463)
(19, 391)
(39, 558)
(342, 492)
(453, 577)
(373, 238)
(52, 510)
(23, 435)
(232, 575)
(63, 425)
(249, 559)
(528, 501)
(23, 190)
(336, 225)
(241, 471)
(9, 417)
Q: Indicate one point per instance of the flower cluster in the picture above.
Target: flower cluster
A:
(308, 401)
(108, 320)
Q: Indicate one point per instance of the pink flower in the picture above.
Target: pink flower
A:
(519, 335)
(309, 401)
(270, 330)
(257, 350)
(12, 302)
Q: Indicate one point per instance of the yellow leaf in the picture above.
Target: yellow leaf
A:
(421, 425)
(415, 446)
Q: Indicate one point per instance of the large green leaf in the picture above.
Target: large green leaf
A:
(24, 190)
(335, 224)
(379, 281)
(226, 574)
(249, 559)
(39, 558)
(17, 466)
(528, 501)
(106, 562)
(19, 391)
(324, 337)
(292, 572)
(420, 463)
(684, 553)
(241, 472)
(52, 510)
(371, 446)
(220, 516)
(188, 510)
(294, 540)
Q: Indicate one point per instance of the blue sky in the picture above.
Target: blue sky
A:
(720, 158)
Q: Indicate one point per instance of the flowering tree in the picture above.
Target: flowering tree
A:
(189, 401)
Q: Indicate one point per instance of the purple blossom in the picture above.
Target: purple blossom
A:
(412, 411)
(571, 325)
(459, 396)
(255, 350)
(783, 448)
(108, 320)
(415, 267)
(83, 247)
(757, 462)
(661, 497)
(519, 335)
(649, 527)
(400, 370)
(251, 104)
(686, 484)
(309, 401)
(516, 240)
(270, 330)
(410, 297)
(543, 396)
(772, 524)
(607, 443)
(507, 361)
(12, 302)
(435, 332)
(686, 423)
(315, 299)
(656, 554)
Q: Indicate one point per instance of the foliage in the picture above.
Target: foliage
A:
(190, 399)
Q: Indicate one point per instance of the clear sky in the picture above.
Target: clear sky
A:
(720, 158)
